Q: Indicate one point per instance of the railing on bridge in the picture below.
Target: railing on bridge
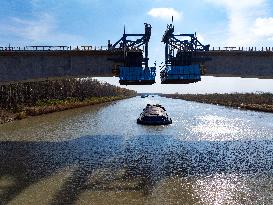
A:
(92, 48)
(248, 49)
(52, 48)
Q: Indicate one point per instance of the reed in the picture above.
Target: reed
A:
(19, 100)
(250, 101)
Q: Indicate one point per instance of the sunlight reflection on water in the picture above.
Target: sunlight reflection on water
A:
(209, 155)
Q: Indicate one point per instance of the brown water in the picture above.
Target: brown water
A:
(99, 155)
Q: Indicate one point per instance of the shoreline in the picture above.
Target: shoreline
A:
(50, 106)
(249, 101)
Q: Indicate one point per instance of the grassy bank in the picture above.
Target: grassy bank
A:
(50, 106)
(249, 101)
(22, 99)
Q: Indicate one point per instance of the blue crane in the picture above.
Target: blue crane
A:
(182, 66)
(135, 69)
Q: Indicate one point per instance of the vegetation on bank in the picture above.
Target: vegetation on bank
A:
(250, 101)
(19, 100)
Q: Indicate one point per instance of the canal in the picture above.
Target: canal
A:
(99, 155)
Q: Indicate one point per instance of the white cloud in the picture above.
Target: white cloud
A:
(247, 24)
(263, 27)
(43, 29)
(35, 3)
(165, 13)
(33, 29)
(238, 4)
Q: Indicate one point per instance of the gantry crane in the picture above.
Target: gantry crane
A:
(182, 66)
(135, 69)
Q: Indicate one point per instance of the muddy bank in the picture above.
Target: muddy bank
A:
(250, 101)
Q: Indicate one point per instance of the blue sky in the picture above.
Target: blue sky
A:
(93, 22)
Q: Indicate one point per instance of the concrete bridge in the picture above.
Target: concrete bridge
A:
(36, 65)
(22, 65)
(238, 63)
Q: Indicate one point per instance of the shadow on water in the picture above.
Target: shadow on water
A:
(146, 159)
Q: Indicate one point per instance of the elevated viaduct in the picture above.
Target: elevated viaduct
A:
(238, 63)
(22, 65)
(32, 65)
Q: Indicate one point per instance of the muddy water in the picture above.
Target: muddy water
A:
(99, 155)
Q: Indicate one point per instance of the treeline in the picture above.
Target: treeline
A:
(17, 95)
(251, 101)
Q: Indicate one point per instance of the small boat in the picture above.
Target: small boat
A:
(154, 115)
(144, 96)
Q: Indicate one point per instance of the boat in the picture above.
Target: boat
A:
(144, 96)
(154, 115)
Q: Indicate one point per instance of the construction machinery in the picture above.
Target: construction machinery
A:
(134, 70)
(182, 65)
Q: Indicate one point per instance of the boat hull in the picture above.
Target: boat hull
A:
(143, 122)
(154, 115)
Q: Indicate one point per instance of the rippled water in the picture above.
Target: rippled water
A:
(99, 155)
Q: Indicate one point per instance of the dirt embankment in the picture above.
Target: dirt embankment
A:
(250, 101)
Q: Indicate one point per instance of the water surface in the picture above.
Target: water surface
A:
(99, 155)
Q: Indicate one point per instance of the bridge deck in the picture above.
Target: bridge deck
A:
(28, 65)
(247, 64)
